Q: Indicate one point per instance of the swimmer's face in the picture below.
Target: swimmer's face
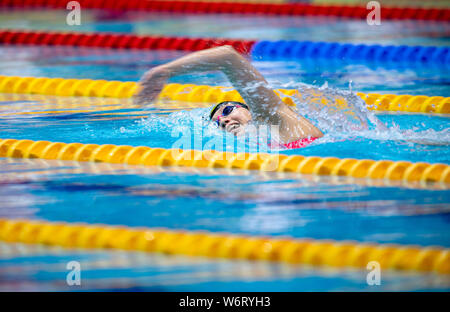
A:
(234, 122)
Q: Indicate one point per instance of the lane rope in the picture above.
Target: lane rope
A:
(210, 94)
(41, 171)
(402, 55)
(147, 156)
(202, 243)
(274, 9)
(123, 41)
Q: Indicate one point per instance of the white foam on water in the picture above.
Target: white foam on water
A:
(340, 114)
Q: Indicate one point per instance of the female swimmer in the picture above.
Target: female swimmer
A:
(261, 102)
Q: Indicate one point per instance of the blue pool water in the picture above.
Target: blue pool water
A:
(275, 205)
(235, 202)
(124, 124)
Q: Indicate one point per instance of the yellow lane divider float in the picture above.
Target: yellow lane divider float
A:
(39, 169)
(201, 243)
(33, 104)
(204, 93)
(142, 155)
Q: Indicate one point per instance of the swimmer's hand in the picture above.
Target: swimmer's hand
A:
(151, 84)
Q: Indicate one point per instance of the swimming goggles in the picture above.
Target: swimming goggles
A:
(227, 111)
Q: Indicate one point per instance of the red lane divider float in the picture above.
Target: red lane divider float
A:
(106, 40)
(267, 50)
(298, 9)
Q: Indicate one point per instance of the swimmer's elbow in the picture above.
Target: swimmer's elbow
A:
(228, 49)
(317, 133)
(310, 128)
(230, 54)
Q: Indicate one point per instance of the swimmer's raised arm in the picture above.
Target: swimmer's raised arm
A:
(246, 79)
(250, 84)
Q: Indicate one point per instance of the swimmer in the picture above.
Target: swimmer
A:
(261, 103)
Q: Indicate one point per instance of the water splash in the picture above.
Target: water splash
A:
(340, 114)
(343, 114)
(193, 130)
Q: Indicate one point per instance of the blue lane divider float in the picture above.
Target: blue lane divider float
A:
(296, 50)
